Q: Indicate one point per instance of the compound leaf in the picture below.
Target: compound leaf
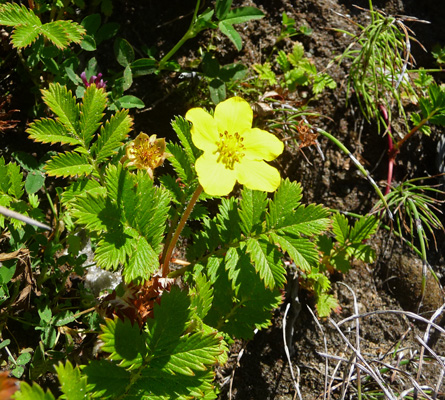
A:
(69, 164)
(24, 35)
(91, 112)
(48, 130)
(34, 392)
(12, 14)
(112, 134)
(267, 261)
(63, 104)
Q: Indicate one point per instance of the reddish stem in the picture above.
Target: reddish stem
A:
(392, 150)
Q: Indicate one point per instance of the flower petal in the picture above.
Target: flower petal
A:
(258, 175)
(214, 177)
(233, 115)
(261, 145)
(204, 129)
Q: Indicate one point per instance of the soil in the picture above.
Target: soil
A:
(259, 369)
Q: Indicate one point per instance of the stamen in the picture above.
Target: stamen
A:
(230, 149)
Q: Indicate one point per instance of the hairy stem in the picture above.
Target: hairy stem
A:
(184, 218)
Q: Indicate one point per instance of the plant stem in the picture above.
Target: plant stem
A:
(172, 244)
(392, 151)
(360, 167)
(188, 35)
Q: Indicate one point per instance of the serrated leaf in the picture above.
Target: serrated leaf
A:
(286, 199)
(73, 30)
(69, 164)
(340, 228)
(170, 318)
(363, 229)
(72, 383)
(267, 262)
(15, 180)
(55, 33)
(325, 304)
(91, 112)
(181, 163)
(24, 35)
(63, 104)
(192, 353)
(302, 251)
(182, 129)
(106, 380)
(12, 14)
(297, 54)
(227, 28)
(113, 249)
(34, 392)
(362, 252)
(94, 212)
(252, 209)
(306, 220)
(48, 130)
(201, 295)
(124, 341)
(82, 187)
(112, 135)
(144, 262)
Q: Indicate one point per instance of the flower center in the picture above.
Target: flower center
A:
(230, 149)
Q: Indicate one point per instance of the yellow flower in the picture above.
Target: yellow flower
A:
(145, 152)
(233, 150)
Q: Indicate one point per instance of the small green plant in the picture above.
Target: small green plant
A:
(289, 29)
(296, 70)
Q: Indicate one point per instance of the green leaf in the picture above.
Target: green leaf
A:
(130, 101)
(91, 23)
(24, 35)
(113, 249)
(240, 302)
(363, 229)
(227, 28)
(123, 51)
(69, 164)
(301, 250)
(34, 392)
(297, 54)
(201, 295)
(340, 228)
(106, 380)
(124, 341)
(72, 29)
(88, 43)
(222, 7)
(12, 14)
(181, 163)
(72, 383)
(182, 129)
(265, 73)
(63, 104)
(34, 182)
(15, 180)
(286, 198)
(267, 261)
(55, 32)
(325, 304)
(310, 220)
(243, 14)
(143, 66)
(112, 135)
(252, 210)
(127, 78)
(94, 212)
(91, 112)
(144, 262)
(50, 131)
(217, 89)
